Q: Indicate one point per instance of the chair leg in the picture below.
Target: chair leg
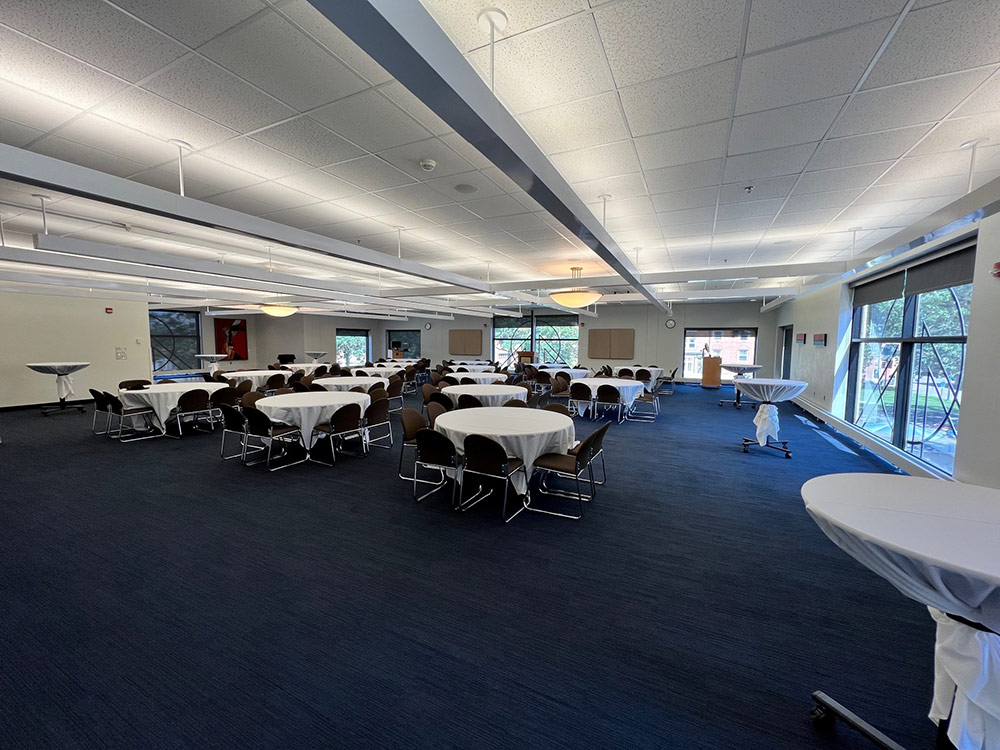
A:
(503, 512)
(577, 496)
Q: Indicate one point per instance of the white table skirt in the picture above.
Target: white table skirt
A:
(338, 383)
(385, 372)
(257, 377)
(740, 369)
(768, 391)
(475, 368)
(62, 371)
(489, 395)
(162, 397)
(654, 374)
(212, 360)
(481, 378)
(936, 542)
(574, 373)
(629, 390)
(315, 355)
(306, 410)
(524, 433)
(308, 368)
(470, 362)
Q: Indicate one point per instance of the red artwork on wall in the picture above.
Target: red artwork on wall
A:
(231, 338)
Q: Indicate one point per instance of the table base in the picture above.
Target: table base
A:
(826, 712)
(61, 408)
(738, 402)
(778, 445)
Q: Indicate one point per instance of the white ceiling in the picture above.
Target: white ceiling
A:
(840, 115)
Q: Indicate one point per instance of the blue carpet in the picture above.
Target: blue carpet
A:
(153, 596)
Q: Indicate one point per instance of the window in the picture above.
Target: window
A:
(175, 338)
(908, 356)
(352, 346)
(510, 336)
(407, 342)
(557, 339)
(732, 344)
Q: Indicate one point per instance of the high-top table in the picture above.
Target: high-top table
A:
(306, 410)
(212, 360)
(739, 370)
(64, 383)
(315, 356)
(939, 544)
(342, 383)
(488, 395)
(162, 397)
(769, 391)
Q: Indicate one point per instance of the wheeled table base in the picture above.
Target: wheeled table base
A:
(779, 445)
(826, 712)
(61, 408)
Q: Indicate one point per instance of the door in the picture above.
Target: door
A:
(787, 340)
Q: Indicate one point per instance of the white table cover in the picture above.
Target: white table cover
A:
(574, 373)
(740, 369)
(630, 390)
(470, 361)
(62, 371)
(338, 383)
(383, 371)
(162, 397)
(308, 368)
(654, 374)
(937, 543)
(257, 377)
(489, 395)
(524, 433)
(212, 360)
(475, 368)
(402, 362)
(552, 365)
(769, 391)
(306, 410)
(315, 355)
(480, 377)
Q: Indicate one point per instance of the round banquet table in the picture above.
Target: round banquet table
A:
(475, 368)
(489, 395)
(64, 383)
(212, 360)
(402, 362)
(308, 368)
(306, 410)
(573, 372)
(481, 378)
(769, 391)
(162, 397)
(738, 370)
(937, 543)
(338, 383)
(470, 362)
(257, 377)
(630, 390)
(654, 374)
(315, 355)
(524, 433)
(383, 371)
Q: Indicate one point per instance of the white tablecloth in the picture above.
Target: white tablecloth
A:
(470, 361)
(630, 390)
(524, 433)
(308, 368)
(479, 377)
(62, 371)
(306, 410)
(315, 355)
(385, 371)
(257, 377)
(212, 360)
(405, 362)
(489, 395)
(654, 373)
(740, 369)
(345, 384)
(574, 374)
(769, 391)
(162, 397)
(476, 368)
(937, 543)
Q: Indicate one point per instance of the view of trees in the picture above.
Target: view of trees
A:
(175, 338)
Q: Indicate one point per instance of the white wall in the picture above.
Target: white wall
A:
(976, 453)
(50, 328)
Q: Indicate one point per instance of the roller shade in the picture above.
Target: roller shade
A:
(950, 267)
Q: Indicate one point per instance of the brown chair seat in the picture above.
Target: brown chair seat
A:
(561, 462)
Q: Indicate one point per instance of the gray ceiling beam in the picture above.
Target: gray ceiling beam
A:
(405, 40)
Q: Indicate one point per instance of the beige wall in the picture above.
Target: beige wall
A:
(50, 328)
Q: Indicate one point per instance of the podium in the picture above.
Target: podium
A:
(711, 372)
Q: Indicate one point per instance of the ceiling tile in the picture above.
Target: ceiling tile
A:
(805, 218)
(907, 104)
(686, 199)
(446, 186)
(526, 78)
(680, 100)
(419, 111)
(951, 134)
(774, 163)
(684, 176)
(748, 224)
(370, 173)
(750, 209)
(502, 180)
(776, 187)
(217, 94)
(198, 23)
(624, 223)
(819, 201)
(498, 205)
(39, 68)
(695, 144)
(408, 157)
(318, 214)
(34, 110)
(95, 32)
(414, 196)
(367, 205)
(212, 172)
(107, 135)
(15, 134)
(839, 179)
(348, 230)
(515, 222)
(237, 201)
(815, 69)
(306, 139)
(256, 158)
(406, 220)
(85, 156)
(320, 184)
(986, 99)
(878, 193)
(318, 26)
(927, 166)
(371, 121)
(296, 70)
(466, 150)
(778, 22)
(647, 39)
(687, 216)
(940, 39)
(785, 126)
(627, 207)
(596, 162)
(277, 195)
(151, 114)
(578, 124)
(445, 215)
(165, 180)
(864, 149)
(460, 18)
(623, 186)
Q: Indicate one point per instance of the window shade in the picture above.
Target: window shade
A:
(952, 267)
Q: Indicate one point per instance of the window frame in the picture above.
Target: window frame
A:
(532, 323)
(354, 333)
(196, 315)
(714, 340)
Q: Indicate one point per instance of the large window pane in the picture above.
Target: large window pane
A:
(352, 346)
(175, 339)
(510, 336)
(882, 320)
(875, 409)
(734, 345)
(932, 411)
(407, 341)
(557, 339)
(944, 312)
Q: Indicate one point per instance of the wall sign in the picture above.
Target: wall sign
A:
(819, 339)
(800, 338)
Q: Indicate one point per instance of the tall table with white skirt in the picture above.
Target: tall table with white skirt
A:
(64, 383)
(739, 370)
(937, 543)
(211, 361)
(315, 355)
(769, 391)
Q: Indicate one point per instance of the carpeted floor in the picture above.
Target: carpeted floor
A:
(153, 596)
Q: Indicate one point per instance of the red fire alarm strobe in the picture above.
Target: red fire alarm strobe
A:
(996, 270)
(109, 310)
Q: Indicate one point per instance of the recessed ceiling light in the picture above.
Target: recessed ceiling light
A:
(466, 189)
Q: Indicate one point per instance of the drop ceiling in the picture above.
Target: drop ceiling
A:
(845, 118)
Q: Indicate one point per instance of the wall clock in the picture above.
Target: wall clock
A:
(427, 326)
(671, 323)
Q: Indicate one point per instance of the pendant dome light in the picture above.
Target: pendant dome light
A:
(578, 297)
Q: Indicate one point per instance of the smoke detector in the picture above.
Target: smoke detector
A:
(428, 165)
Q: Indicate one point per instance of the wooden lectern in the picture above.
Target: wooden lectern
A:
(711, 372)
